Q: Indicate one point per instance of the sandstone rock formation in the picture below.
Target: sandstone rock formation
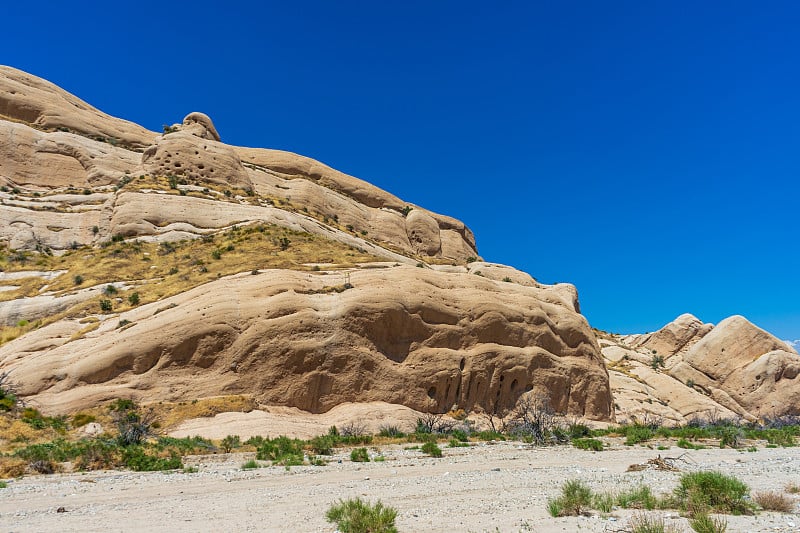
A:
(689, 369)
(427, 340)
(455, 332)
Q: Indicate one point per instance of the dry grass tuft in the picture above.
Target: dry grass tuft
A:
(172, 414)
(774, 501)
(12, 467)
(792, 488)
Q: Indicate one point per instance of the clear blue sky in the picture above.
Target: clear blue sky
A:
(648, 152)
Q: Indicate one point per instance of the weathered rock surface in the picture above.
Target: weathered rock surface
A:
(404, 335)
(32, 100)
(689, 369)
(741, 363)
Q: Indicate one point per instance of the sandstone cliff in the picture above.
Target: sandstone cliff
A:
(174, 266)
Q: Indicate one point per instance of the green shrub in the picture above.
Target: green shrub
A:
(250, 465)
(357, 516)
(636, 433)
(133, 298)
(702, 523)
(575, 498)
(230, 442)
(730, 437)
(391, 432)
(603, 501)
(359, 455)
(588, 444)
(323, 444)
(699, 492)
(105, 306)
(3, 485)
(282, 451)
(459, 435)
(432, 449)
(683, 443)
(135, 458)
(640, 497)
(78, 279)
(644, 523)
(455, 443)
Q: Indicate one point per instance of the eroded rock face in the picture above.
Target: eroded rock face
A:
(741, 363)
(404, 335)
(36, 101)
(676, 337)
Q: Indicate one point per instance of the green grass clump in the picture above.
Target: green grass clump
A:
(432, 449)
(644, 523)
(636, 434)
(702, 523)
(250, 465)
(3, 485)
(588, 444)
(685, 444)
(708, 491)
(603, 501)
(359, 455)
(281, 451)
(640, 497)
(574, 499)
(455, 443)
(358, 516)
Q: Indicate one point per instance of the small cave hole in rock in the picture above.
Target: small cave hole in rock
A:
(432, 393)
(462, 364)
(528, 387)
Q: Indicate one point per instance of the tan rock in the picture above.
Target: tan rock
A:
(755, 369)
(676, 337)
(32, 100)
(405, 335)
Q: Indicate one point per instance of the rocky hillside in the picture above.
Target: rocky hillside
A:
(689, 369)
(173, 266)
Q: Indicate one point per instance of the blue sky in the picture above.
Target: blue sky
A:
(647, 152)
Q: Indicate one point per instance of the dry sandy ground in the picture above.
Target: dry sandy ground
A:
(488, 487)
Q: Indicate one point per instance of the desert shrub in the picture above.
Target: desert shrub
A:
(774, 501)
(357, 516)
(132, 428)
(135, 458)
(433, 423)
(133, 298)
(683, 443)
(78, 279)
(534, 420)
(3, 485)
(323, 444)
(359, 455)
(250, 465)
(455, 443)
(640, 497)
(588, 444)
(702, 523)
(185, 445)
(281, 450)
(489, 435)
(647, 523)
(603, 501)
(699, 492)
(636, 434)
(459, 434)
(574, 499)
(730, 437)
(657, 362)
(391, 432)
(578, 431)
(792, 488)
(230, 442)
(431, 448)
(105, 306)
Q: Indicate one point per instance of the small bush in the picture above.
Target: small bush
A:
(135, 458)
(357, 516)
(603, 501)
(282, 451)
(636, 434)
(81, 419)
(774, 501)
(685, 444)
(702, 523)
(230, 442)
(391, 432)
(432, 449)
(78, 279)
(644, 523)
(700, 492)
(730, 437)
(105, 306)
(252, 464)
(133, 298)
(588, 444)
(640, 497)
(455, 443)
(323, 444)
(359, 455)
(575, 498)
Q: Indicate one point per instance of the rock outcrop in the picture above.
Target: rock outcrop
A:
(455, 332)
(428, 340)
(689, 370)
